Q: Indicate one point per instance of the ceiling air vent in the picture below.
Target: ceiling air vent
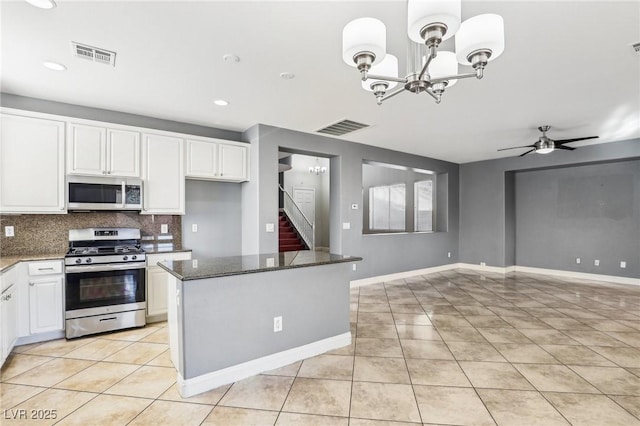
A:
(95, 54)
(342, 128)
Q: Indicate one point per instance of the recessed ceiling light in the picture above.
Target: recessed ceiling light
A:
(42, 4)
(287, 75)
(221, 102)
(54, 66)
(230, 57)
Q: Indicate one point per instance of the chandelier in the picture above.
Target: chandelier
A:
(479, 40)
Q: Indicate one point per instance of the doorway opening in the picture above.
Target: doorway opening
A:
(304, 182)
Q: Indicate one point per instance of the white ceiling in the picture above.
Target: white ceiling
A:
(568, 64)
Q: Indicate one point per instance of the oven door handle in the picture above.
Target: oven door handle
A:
(103, 268)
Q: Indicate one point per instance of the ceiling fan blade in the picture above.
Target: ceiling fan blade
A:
(568, 148)
(522, 155)
(516, 147)
(561, 141)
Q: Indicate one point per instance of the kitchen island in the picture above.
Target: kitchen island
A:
(223, 313)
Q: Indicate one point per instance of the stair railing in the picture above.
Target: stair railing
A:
(303, 225)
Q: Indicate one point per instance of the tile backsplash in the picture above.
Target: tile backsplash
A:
(49, 233)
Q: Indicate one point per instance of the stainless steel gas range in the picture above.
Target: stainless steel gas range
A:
(105, 281)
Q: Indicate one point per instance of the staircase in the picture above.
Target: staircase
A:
(288, 238)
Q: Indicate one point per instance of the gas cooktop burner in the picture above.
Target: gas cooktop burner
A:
(83, 251)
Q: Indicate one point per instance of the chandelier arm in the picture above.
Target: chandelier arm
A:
(390, 95)
(433, 52)
(433, 95)
(453, 77)
(385, 78)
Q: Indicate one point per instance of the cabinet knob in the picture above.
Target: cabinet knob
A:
(109, 172)
(32, 284)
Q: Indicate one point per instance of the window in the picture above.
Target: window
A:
(387, 208)
(423, 205)
(400, 199)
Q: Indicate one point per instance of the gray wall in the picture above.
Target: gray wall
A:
(383, 254)
(591, 212)
(77, 111)
(216, 208)
(485, 210)
(230, 319)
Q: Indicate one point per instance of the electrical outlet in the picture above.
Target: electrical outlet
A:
(194, 263)
(271, 262)
(270, 227)
(354, 267)
(449, 254)
(194, 227)
(578, 260)
(354, 206)
(346, 225)
(277, 324)
(596, 262)
(164, 228)
(483, 264)
(8, 231)
(623, 264)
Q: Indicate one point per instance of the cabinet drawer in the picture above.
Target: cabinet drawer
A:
(45, 268)
(153, 259)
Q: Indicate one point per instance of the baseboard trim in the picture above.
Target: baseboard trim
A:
(401, 275)
(205, 382)
(496, 269)
(581, 275)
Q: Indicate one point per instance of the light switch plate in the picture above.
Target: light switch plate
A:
(623, 264)
(164, 228)
(194, 227)
(596, 262)
(270, 227)
(8, 231)
(271, 262)
(346, 225)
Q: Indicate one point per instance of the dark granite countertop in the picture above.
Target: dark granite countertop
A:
(236, 265)
(162, 248)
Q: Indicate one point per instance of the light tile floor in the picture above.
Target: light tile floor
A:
(453, 348)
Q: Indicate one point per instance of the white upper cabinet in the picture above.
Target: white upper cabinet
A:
(216, 160)
(163, 174)
(94, 150)
(31, 165)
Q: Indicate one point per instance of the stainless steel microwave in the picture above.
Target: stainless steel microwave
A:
(103, 193)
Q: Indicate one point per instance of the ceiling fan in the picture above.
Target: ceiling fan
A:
(545, 145)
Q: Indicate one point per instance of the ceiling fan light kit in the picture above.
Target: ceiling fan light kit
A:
(546, 145)
(478, 41)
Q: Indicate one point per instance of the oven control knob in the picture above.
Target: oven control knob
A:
(78, 260)
(134, 257)
(88, 260)
(125, 257)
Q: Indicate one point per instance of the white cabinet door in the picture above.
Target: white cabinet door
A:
(31, 165)
(233, 162)
(156, 291)
(202, 159)
(123, 153)
(157, 281)
(163, 174)
(45, 304)
(86, 150)
(9, 317)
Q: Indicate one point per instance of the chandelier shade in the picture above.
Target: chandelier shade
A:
(364, 35)
(388, 67)
(445, 64)
(423, 13)
(482, 32)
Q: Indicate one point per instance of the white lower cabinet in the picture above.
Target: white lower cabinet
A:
(8, 313)
(46, 306)
(157, 282)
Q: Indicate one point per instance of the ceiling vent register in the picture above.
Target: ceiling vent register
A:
(95, 54)
(342, 128)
